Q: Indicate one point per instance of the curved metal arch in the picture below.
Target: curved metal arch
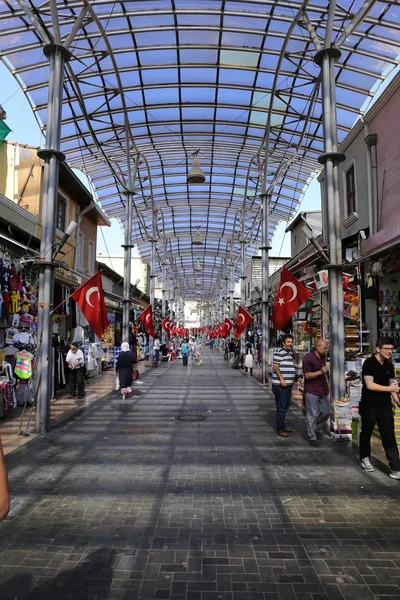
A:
(284, 175)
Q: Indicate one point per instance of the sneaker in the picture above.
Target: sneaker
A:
(365, 464)
(313, 442)
(394, 474)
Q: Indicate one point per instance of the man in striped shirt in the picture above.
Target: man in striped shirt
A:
(283, 377)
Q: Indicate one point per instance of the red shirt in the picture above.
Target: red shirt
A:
(317, 386)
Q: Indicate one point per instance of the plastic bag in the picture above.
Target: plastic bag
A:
(117, 383)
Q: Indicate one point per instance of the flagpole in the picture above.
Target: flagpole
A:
(74, 292)
(323, 307)
(61, 303)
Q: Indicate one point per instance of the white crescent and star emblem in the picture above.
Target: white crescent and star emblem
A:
(91, 291)
(292, 287)
(241, 317)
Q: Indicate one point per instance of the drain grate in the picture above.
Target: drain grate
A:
(190, 417)
(137, 430)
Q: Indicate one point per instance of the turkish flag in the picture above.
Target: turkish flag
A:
(166, 325)
(291, 294)
(90, 299)
(229, 324)
(243, 318)
(146, 317)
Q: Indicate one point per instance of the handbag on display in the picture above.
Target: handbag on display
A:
(370, 290)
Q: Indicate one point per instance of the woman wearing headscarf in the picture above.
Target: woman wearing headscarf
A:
(124, 368)
(248, 359)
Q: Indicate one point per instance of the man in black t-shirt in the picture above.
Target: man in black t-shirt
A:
(379, 386)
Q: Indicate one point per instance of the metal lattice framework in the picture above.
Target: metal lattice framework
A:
(168, 79)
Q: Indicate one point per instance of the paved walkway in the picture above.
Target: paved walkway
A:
(126, 502)
(61, 408)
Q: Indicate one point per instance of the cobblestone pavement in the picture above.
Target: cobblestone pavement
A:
(126, 502)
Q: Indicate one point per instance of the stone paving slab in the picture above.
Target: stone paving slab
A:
(126, 502)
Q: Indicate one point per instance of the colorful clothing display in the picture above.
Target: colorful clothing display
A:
(23, 367)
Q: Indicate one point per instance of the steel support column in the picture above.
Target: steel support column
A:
(231, 292)
(242, 288)
(265, 248)
(52, 156)
(171, 301)
(164, 300)
(152, 285)
(127, 266)
(331, 158)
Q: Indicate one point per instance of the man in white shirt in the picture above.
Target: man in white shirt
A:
(156, 348)
(76, 363)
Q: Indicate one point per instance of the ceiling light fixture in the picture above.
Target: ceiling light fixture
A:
(196, 174)
(197, 266)
(197, 241)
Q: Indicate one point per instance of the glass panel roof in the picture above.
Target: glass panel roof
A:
(196, 78)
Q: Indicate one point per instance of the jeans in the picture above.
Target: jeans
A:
(251, 370)
(76, 379)
(185, 358)
(283, 397)
(383, 415)
(318, 410)
(156, 356)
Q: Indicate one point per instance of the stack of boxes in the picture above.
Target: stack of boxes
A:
(341, 428)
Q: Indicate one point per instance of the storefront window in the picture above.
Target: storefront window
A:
(61, 213)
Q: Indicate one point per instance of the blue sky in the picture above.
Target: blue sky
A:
(25, 130)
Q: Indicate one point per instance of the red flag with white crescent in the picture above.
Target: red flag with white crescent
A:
(229, 323)
(243, 318)
(90, 299)
(146, 317)
(166, 325)
(290, 296)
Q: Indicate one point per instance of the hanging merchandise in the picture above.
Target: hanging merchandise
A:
(23, 367)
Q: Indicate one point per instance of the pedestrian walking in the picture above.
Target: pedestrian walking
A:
(76, 363)
(185, 352)
(248, 359)
(156, 348)
(318, 403)
(283, 377)
(231, 354)
(4, 489)
(199, 352)
(379, 387)
(124, 368)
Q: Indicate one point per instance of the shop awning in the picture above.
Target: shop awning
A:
(117, 298)
(4, 131)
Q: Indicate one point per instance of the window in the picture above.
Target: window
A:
(90, 263)
(80, 250)
(350, 191)
(61, 213)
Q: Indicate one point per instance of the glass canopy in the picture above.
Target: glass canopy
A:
(171, 79)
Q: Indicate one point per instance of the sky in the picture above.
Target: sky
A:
(25, 130)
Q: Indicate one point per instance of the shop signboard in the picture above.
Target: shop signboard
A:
(67, 277)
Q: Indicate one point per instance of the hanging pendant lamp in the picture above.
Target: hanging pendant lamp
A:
(196, 174)
(197, 266)
(197, 241)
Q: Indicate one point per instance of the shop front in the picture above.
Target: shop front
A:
(112, 337)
